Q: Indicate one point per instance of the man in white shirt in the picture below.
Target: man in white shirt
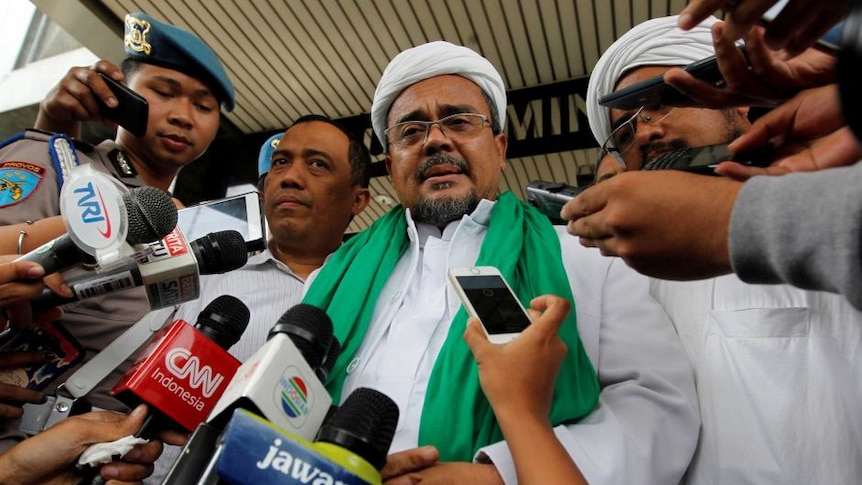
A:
(439, 111)
(777, 367)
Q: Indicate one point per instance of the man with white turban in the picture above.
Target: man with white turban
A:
(777, 368)
(623, 407)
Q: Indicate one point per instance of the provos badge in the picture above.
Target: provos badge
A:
(136, 35)
(18, 180)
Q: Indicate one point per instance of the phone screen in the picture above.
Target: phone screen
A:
(494, 304)
(230, 213)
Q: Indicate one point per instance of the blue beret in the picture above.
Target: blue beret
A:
(264, 159)
(148, 40)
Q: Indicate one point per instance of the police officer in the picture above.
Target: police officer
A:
(185, 85)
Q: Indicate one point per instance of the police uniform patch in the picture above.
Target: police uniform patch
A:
(18, 180)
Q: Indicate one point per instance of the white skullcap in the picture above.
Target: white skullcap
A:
(430, 60)
(656, 42)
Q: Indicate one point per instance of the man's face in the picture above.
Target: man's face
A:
(677, 129)
(183, 118)
(608, 167)
(443, 178)
(308, 193)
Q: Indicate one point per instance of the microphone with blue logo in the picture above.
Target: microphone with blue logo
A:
(349, 449)
(282, 381)
(103, 222)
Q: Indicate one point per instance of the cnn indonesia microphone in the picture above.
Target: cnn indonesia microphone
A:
(350, 448)
(184, 370)
(169, 270)
(282, 381)
(103, 228)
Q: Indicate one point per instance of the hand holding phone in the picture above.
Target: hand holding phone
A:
(132, 110)
(242, 213)
(487, 297)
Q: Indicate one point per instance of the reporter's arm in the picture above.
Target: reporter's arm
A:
(518, 379)
(799, 24)
(49, 457)
(74, 99)
(35, 234)
(804, 229)
(759, 78)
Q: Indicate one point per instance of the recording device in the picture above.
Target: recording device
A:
(150, 214)
(185, 368)
(169, 271)
(703, 160)
(281, 382)
(242, 213)
(350, 448)
(487, 297)
(183, 371)
(550, 197)
(654, 91)
(132, 110)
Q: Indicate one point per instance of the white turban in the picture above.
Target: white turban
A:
(429, 60)
(656, 42)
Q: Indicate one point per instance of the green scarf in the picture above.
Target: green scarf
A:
(456, 416)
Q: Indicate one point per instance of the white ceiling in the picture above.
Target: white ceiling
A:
(292, 57)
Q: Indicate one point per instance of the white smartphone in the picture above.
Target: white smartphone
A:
(487, 296)
(242, 213)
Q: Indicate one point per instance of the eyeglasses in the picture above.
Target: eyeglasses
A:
(621, 140)
(457, 126)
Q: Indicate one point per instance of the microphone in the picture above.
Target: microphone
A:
(169, 271)
(350, 448)
(280, 382)
(182, 371)
(149, 214)
(185, 368)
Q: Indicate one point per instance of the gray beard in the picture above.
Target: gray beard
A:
(444, 210)
(440, 211)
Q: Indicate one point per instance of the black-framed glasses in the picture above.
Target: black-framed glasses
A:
(457, 126)
(621, 140)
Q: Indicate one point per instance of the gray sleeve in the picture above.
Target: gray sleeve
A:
(804, 229)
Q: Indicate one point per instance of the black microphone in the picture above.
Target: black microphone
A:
(184, 369)
(280, 382)
(150, 215)
(351, 446)
(169, 272)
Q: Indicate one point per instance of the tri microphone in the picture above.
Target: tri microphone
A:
(282, 381)
(150, 214)
(350, 448)
(169, 271)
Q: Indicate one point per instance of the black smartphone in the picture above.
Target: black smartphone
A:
(62, 349)
(704, 159)
(654, 91)
(550, 197)
(132, 110)
(243, 213)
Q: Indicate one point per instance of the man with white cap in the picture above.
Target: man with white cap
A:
(777, 367)
(624, 405)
